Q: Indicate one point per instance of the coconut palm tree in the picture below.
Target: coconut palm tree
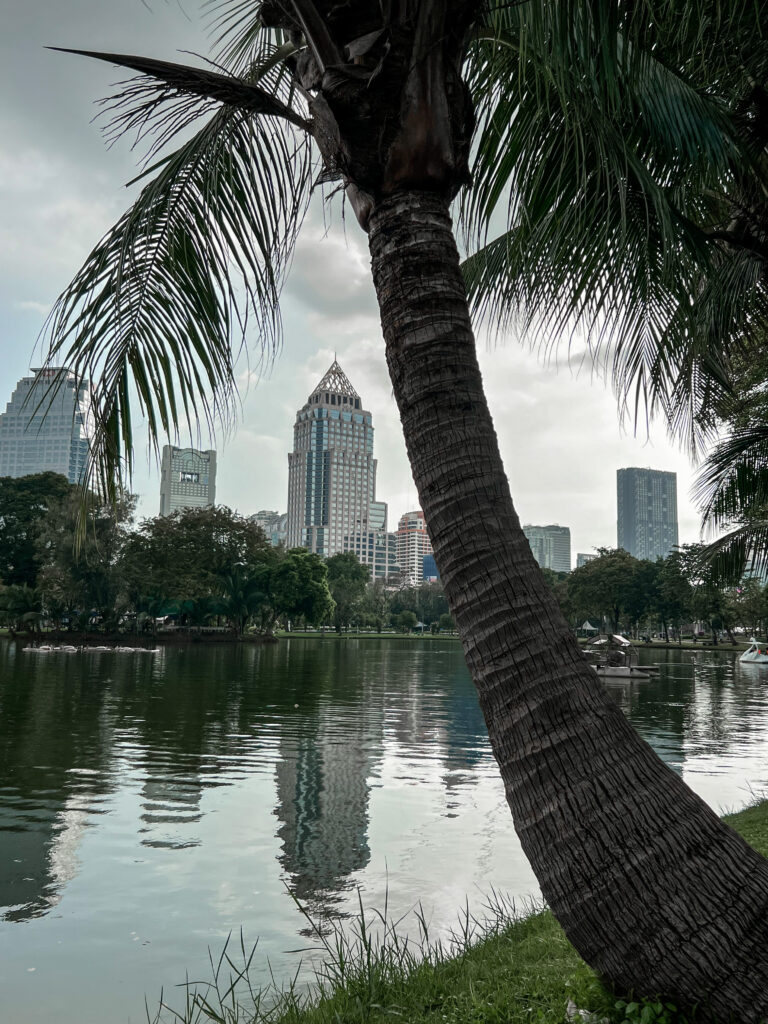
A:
(593, 130)
(733, 481)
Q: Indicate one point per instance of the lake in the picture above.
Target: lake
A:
(152, 804)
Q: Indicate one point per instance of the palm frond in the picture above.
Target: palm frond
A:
(200, 253)
(733, 482)
(211, 85)
(605, 149)
(743, 551)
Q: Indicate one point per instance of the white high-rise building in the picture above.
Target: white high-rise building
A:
(551, 546)
(274, 525)
(332, 503)
(47, 426)
(413, 544)
(187, 479)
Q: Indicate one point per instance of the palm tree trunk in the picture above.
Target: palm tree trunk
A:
(654, 891)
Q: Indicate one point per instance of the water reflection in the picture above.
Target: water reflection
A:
(148, 805)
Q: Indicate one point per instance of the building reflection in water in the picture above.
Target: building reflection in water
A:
(324, 772)
(52, 781)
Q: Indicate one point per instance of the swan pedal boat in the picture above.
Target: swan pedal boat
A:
(755, 654)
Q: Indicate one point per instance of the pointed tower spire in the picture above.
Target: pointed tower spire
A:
(336, 381)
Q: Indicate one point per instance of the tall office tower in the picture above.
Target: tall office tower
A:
(46, 430)
(412, 544)
(551, 546)
(274, 525)
(187, 479)
(647, 512)
(332, 503)
(582, 558)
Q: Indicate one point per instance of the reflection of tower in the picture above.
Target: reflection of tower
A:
(323, 788)
(171, 801)
(52, 780)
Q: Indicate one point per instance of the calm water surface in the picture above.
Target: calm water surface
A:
(151, 804)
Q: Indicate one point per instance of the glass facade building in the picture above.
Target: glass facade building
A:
(47, 426)
(332, 503)
(551, 546)
(647, 512)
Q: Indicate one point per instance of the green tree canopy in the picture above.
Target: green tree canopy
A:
(299, 587)
(25, 503)
(186, 555)
(347, 579)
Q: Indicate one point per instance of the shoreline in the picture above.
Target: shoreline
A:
(505, 969)
(180, 637)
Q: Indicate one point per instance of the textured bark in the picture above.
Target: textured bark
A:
(653, 890)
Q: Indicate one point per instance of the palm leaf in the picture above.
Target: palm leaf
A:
(743, 551)
(608, 164)
(160, 301)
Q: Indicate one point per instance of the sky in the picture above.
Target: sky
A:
(61, 187)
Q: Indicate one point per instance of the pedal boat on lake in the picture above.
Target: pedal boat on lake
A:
(616, 658)
(756, 653)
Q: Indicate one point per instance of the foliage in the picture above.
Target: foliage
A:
(733, 481)
(299, 587)
(347, 579)
(605, 586)
(427, 601)
(647, 1011)
(80, 548)
(187, 555)
(709, 601)
(20, 606)
(25, 502)
(405, 621)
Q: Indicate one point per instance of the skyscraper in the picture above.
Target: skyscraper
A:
(274, 525)
(187, 479)
(332, 503)
(413, 544)
(44, 430)
(583, 557)
(551, 546)
(647, 512)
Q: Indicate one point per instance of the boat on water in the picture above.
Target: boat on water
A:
(756, 653)
(614, 657)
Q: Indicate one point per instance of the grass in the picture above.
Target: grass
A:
(503, 968)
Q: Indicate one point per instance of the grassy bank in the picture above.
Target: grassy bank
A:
(504, 969)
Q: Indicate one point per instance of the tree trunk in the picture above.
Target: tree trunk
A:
(654, 891)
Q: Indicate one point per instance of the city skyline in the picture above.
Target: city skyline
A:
(377, 514)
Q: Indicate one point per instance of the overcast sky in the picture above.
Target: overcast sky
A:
(61, 187)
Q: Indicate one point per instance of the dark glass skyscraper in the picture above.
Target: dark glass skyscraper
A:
(647, 512)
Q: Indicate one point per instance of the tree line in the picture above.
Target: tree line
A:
(88, 570)
(669, 596)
